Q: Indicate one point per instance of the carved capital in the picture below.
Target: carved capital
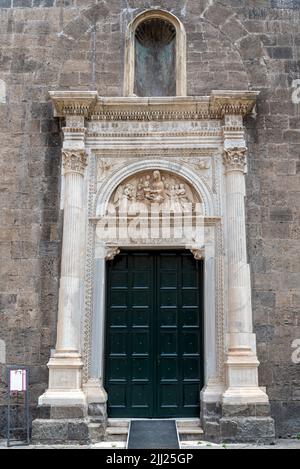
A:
(235, 159)
(74, 161)
(112, 252)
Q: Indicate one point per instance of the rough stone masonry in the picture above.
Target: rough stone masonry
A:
(79, 44)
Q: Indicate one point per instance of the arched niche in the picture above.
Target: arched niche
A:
(155, 60)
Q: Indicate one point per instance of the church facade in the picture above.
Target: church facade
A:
(150, 215)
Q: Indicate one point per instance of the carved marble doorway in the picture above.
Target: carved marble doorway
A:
(179, 151)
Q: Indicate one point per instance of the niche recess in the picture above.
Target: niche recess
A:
(155, 63)
(155, 58)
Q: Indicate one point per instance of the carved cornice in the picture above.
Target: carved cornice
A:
(233, 102)
(73, 103)
(235, 159)
(74, 161)
(91, 106)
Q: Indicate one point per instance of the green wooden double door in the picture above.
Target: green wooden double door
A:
(154, 359)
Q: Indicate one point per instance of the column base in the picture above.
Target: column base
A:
(246, 414)
(65, 388)
(238, 423)
(63, 410)
(241, 413)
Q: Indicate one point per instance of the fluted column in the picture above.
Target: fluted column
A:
(68, 326)
(242, 363)
(65, 366)
(239, 287)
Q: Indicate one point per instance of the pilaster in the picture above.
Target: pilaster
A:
(244, 403)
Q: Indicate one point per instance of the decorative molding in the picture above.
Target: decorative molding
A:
(112, 252)
(91, 106)
(74, 161)
(156, 153)
(89, 282)
(238, 103)
(74, 130)
(73, 103)
(150, 134)
(199, 254)
(235, 159)
(220, 299)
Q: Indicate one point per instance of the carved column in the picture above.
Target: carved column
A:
(242, 363)
(65, 386)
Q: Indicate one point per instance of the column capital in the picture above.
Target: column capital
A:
(235, 159)
(74, 161)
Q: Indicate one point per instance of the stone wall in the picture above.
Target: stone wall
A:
(79, 44)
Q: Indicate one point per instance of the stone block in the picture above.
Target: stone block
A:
(248, 410)
(63, 413)
(247, 429)
(217, 14)
(212, 431)
(49, 431)
(78, 431)
(62, 431)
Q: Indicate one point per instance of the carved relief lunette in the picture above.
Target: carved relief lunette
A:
(158, 187)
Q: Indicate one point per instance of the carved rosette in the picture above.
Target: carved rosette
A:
(74, 161)
(235, 159)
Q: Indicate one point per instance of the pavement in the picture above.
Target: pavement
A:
(188, 445)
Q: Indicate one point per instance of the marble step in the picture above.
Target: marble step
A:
(115, 433)
(188, 430)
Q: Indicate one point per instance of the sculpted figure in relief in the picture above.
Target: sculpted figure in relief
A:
(154, 188)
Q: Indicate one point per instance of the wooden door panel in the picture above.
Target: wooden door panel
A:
(154, 335)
